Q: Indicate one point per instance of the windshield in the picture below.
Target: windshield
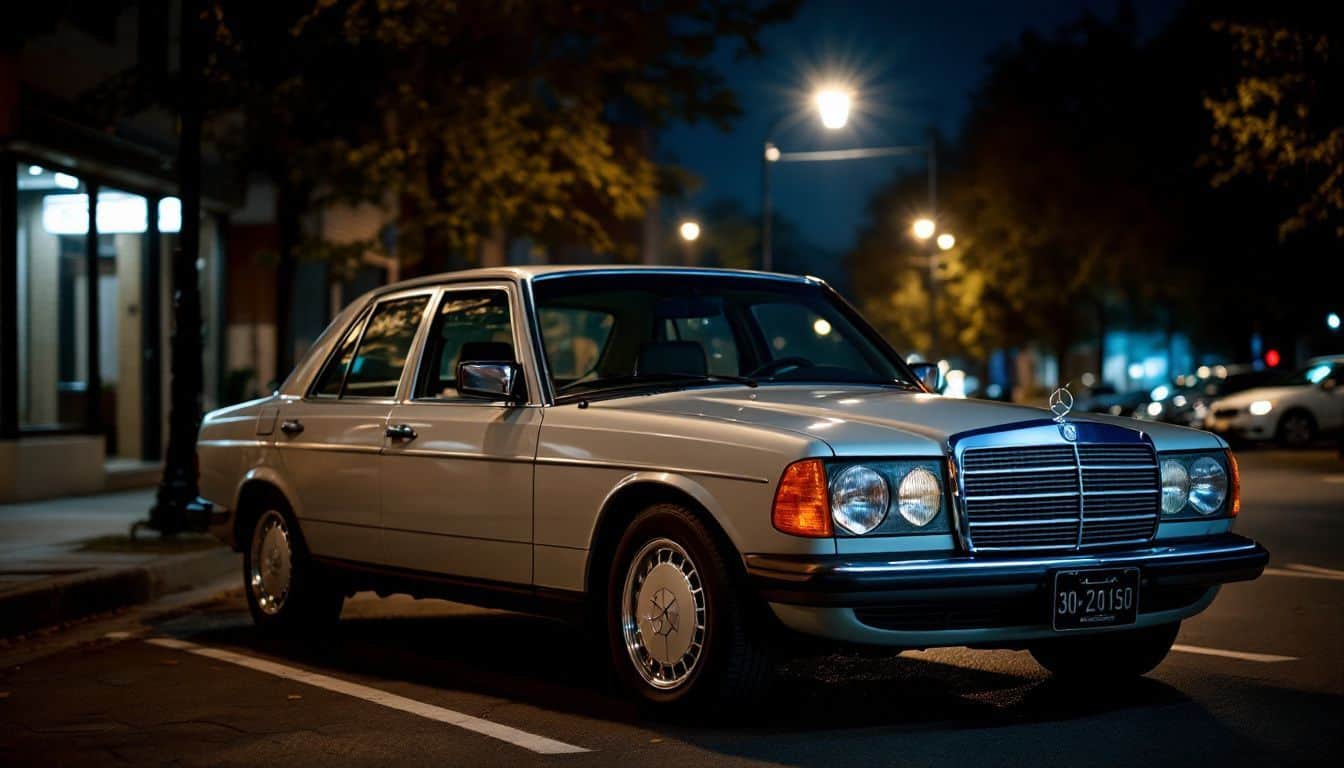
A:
(606, 331)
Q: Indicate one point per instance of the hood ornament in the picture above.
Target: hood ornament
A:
(1061, 403)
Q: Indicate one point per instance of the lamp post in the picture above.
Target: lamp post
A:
(925, 229)
(689, 232)
(833, 106)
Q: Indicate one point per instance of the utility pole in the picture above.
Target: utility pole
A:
(177, 507)
(933, 246)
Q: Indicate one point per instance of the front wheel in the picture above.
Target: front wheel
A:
(680, 628)
(1297, 429)
(285, 591)
(1109, 656)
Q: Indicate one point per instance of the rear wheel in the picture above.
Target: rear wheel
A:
(681, 631)
(1297, 429)
(1109, 656)
(285, 591)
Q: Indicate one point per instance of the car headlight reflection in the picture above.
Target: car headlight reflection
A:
(1208, 486)
(919, 497)
(1175, 486)
(859, 498)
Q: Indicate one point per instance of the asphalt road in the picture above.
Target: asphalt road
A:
(1258, 679)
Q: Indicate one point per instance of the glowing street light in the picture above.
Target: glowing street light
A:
(946, 241)
(771, 153)
(689, 231)
(1332, 321)
(924, 228)
(833, 104)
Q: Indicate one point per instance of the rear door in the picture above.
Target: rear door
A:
(457, 485)
(330, 439)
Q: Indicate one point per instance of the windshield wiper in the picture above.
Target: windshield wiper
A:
(654, 379)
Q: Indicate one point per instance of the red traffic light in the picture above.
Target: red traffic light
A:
(1272, 358)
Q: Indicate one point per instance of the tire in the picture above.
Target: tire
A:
(1105, 657)
(1297, 429)
(286, 593)
(712, 656)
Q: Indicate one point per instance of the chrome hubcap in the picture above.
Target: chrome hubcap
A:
(270, 572)
(663, 614)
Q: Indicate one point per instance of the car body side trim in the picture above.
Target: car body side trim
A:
(628, 466)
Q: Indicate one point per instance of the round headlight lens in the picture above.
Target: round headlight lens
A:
(919, 497)
(1208, 485)
(1175, 486)
(859, 499)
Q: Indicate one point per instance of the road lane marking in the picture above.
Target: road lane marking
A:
(529, 741)
(1304, 574)
(1316, 569)
(1263, 658)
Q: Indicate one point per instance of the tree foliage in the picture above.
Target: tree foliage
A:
(1282, 121)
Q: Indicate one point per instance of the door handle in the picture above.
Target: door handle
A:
(401, 432)
(291, 427)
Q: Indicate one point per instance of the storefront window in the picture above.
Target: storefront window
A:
(53, 226)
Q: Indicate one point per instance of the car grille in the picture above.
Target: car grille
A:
(1059, 497)
(1226, 413)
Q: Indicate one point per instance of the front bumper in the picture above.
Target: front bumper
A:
(984, 600)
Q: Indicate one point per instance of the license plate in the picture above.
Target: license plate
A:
(1101, 597)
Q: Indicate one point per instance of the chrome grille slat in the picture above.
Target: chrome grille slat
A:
(1059, 496)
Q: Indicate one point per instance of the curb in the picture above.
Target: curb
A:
(63, 599)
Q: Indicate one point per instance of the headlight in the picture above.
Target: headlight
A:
(1175, 486)
(1208, 486)
(919, 497)
(1260, 407)
(859, 499)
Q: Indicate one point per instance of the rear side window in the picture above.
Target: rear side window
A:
(328, 384)
(381, 357)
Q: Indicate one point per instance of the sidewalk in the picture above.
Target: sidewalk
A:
(67, 558)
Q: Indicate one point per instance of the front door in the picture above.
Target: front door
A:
(330, 440)
(457, 485)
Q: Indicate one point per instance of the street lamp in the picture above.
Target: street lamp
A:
(924, 228)
(689, 231)
(1332, 321)
(833, 104)
(946, 241)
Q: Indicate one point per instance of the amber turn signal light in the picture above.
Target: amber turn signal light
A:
(1234, 475)
(802, 507)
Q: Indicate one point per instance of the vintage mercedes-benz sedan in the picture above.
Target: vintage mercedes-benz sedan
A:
(700, 463)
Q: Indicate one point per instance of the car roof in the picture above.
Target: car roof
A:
(532, 272)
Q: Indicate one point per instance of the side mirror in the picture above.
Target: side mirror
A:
(928, 375)
(490, 380)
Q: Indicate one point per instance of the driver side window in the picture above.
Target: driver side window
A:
(469, 326)
(791, 331)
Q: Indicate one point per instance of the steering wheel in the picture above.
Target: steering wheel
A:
(782, 364)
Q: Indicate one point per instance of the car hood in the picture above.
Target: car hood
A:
(864, 421)
(1244, 399)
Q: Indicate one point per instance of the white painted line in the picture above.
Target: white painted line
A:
(1316, 569)
(529, 741)
(1263, 658)
(1304, 574)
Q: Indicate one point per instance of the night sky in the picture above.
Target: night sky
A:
(910, 64)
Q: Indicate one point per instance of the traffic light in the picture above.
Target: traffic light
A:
(1272, 358)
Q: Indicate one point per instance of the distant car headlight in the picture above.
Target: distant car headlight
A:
(1208, 486)
(1175, 486)
(919, 497)
(1260, 407)
(859, 498)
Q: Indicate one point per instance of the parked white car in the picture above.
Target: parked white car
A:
(1295, 412)
(696, 461)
